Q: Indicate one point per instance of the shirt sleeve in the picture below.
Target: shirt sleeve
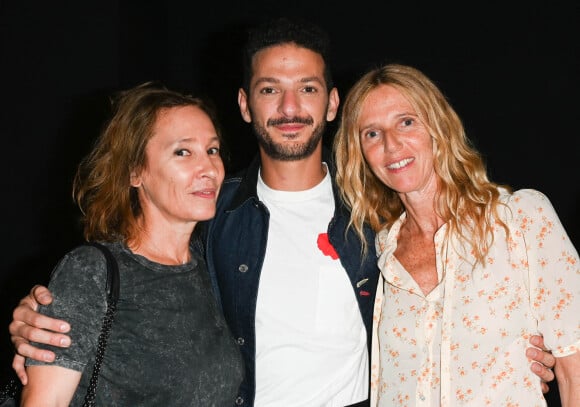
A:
(78, 285)
(554, 268)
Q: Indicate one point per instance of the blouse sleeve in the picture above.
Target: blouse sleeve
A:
(78, 284)
(554, 269)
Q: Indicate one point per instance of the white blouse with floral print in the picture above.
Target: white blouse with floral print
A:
(464, 343)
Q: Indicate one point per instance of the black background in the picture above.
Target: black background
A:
(510, 70)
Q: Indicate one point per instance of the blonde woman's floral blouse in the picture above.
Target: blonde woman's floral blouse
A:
(464, 343)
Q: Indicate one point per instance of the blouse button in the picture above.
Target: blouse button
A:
(240, 341)
(243, 268)
(239, 401)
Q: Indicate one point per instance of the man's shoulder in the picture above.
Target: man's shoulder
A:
(235, 189)
(232, 181)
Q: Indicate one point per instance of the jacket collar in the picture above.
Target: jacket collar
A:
(247, 188)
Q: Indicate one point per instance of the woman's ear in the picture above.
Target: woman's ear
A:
(135, 179)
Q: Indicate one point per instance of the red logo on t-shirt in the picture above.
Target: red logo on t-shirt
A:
(325, 247)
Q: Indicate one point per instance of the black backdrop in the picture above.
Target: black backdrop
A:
(511, 71)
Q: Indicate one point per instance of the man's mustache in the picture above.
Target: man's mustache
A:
(290, 120)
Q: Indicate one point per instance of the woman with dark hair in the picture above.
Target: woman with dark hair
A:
(154, 173)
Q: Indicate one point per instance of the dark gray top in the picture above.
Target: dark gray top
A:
(169, 343)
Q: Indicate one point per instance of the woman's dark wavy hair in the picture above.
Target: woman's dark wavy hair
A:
(101, 188)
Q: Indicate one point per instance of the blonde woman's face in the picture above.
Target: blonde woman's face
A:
(183, 169)
(395, 143)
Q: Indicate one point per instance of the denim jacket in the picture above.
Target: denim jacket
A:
(235, 248)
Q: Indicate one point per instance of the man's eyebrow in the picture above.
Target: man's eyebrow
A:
(311, 79)
(267, 79)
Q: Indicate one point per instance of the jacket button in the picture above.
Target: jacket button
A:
(240, 341)
(239, 401)
(243, 268)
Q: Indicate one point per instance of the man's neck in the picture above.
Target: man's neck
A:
(293, 175)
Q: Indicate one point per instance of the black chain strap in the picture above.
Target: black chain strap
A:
(10, 394)
(105, 331)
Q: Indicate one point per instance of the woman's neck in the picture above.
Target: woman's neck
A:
(166, 246)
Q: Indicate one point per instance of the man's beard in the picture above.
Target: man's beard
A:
(289, 151)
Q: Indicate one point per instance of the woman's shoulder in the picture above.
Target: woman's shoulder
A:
(523, 197)
(524, 203)
(83, 262)
(525, 194)
(81, 274)
(86, 252)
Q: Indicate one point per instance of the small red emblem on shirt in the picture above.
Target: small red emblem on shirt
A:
(325, 247)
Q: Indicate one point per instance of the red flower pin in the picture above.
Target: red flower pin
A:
(325, 247)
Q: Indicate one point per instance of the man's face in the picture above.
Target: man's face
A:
(288, 103)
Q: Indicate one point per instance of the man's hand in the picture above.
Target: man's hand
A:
(28, 325)
(543, 361)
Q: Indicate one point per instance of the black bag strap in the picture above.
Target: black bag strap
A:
(10, 394)
(112, 273)
(112, 298)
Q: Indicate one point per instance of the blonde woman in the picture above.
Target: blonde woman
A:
(469, 269)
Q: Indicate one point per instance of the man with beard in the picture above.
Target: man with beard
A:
(296, 287)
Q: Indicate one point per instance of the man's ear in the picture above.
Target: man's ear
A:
(333, 102)
(243, 104)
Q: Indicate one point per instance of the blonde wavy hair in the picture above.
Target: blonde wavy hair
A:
(467, 200)
(109, 205)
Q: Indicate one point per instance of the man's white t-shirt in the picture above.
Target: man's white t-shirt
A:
(311, 347)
